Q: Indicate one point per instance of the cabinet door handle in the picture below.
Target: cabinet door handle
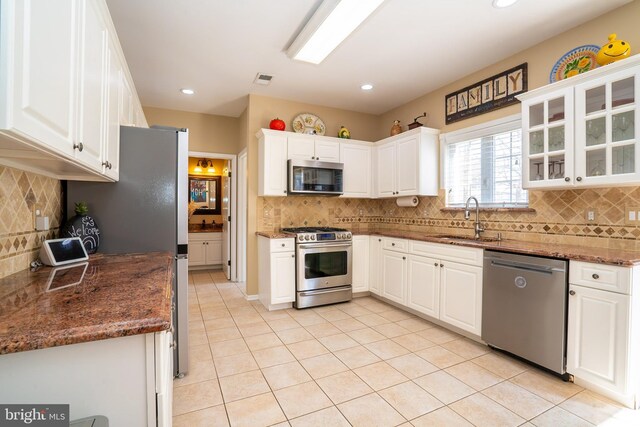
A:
(105, 164)
(572, 292)
(435, 264)
(110, 165)
(79, 146)
(567, 179)
(393, 244)
(293, 256)
(379, 240)
(285, 191)
(579, 178)
(404, 257)
(595, 276)
(441, 265)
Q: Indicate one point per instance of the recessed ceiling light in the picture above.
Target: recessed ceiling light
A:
(503, 3)
(366, 87)
(188, 91)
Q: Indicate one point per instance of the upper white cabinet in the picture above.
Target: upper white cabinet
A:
(407, 164)
(61, 92)
(356, 179)
(581, 132)
(272, 163)
(310, 147)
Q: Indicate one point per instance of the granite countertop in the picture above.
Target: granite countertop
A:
(208, 228)
(275, 235)
(573, 252)
(117, 295)
(555, 250)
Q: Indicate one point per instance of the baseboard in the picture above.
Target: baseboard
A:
(252, 297)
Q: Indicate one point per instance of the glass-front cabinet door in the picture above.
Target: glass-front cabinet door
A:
(547, 132)
(606, 132)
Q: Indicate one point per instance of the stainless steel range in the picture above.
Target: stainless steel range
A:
(323, 265)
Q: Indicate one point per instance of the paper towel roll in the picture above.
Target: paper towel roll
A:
(407, 201)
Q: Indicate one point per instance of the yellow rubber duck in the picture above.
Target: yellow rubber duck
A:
(613, 51)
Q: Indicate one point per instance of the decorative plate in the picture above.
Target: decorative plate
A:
(308, 123)
(576, 61)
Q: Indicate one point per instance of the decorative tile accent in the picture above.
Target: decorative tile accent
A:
(19, 192)
(557, 216)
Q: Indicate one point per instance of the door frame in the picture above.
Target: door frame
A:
(242, 216)
(232, 206)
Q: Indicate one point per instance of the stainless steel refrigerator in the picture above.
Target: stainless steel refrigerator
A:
(146, 210)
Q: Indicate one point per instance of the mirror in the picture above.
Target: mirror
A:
(205, 192)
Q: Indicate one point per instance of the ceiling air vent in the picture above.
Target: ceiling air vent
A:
(263, 79)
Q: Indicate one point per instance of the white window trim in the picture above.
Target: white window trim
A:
(503, 124)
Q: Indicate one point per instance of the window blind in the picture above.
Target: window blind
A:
(487, 166)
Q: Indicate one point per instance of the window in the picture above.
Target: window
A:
(486, 162)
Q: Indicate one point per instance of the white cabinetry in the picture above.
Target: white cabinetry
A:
(394, 276)
(375, 258)
(356, 157)
(360, 264)
(205, 249)
(59, 91)
(602, 342)
(581, 132)
(309, 147)
(276, 272)
(272, 163)
(127, 379)
(407, 164)
(439, 280)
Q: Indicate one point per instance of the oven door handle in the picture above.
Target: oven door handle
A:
(326, 291)
(324, 245)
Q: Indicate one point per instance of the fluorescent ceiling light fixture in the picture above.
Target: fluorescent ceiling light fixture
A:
(503, 3)
(188, 91)
(366, 87)
(329, 26)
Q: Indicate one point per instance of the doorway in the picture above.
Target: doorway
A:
(225, 199)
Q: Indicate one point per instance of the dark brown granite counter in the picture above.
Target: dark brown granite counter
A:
(572, 252)
(109, 296)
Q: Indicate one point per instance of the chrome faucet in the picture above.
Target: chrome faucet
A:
(477, 226)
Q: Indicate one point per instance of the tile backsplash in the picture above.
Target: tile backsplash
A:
(557, 216)
(19, 192)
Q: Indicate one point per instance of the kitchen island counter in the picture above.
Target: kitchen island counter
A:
(109, 296)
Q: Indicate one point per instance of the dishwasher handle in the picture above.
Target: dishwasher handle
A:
(527, 267)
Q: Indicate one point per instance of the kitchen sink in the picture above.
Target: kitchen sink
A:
(466, 238)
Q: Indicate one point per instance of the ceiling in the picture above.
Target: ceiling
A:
(405, 49)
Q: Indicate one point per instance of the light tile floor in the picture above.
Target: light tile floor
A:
(362, 363)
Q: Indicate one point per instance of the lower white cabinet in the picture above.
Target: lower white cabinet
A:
(375, 258)
(360, 264)
(602, 341)
(439, 280)
(394, 276)
(276, 272)
(423, 279)
(205, 249)
(461, 296)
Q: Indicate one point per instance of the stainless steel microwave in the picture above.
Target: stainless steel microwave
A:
(314, 178)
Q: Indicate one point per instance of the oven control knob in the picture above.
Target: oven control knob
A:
(313, 237)
(348, 235)
(306, 237)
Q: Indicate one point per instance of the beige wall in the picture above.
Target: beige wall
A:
(208, 133)
(541, 58)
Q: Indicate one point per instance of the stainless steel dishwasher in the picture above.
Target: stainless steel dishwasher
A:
(524, 307)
